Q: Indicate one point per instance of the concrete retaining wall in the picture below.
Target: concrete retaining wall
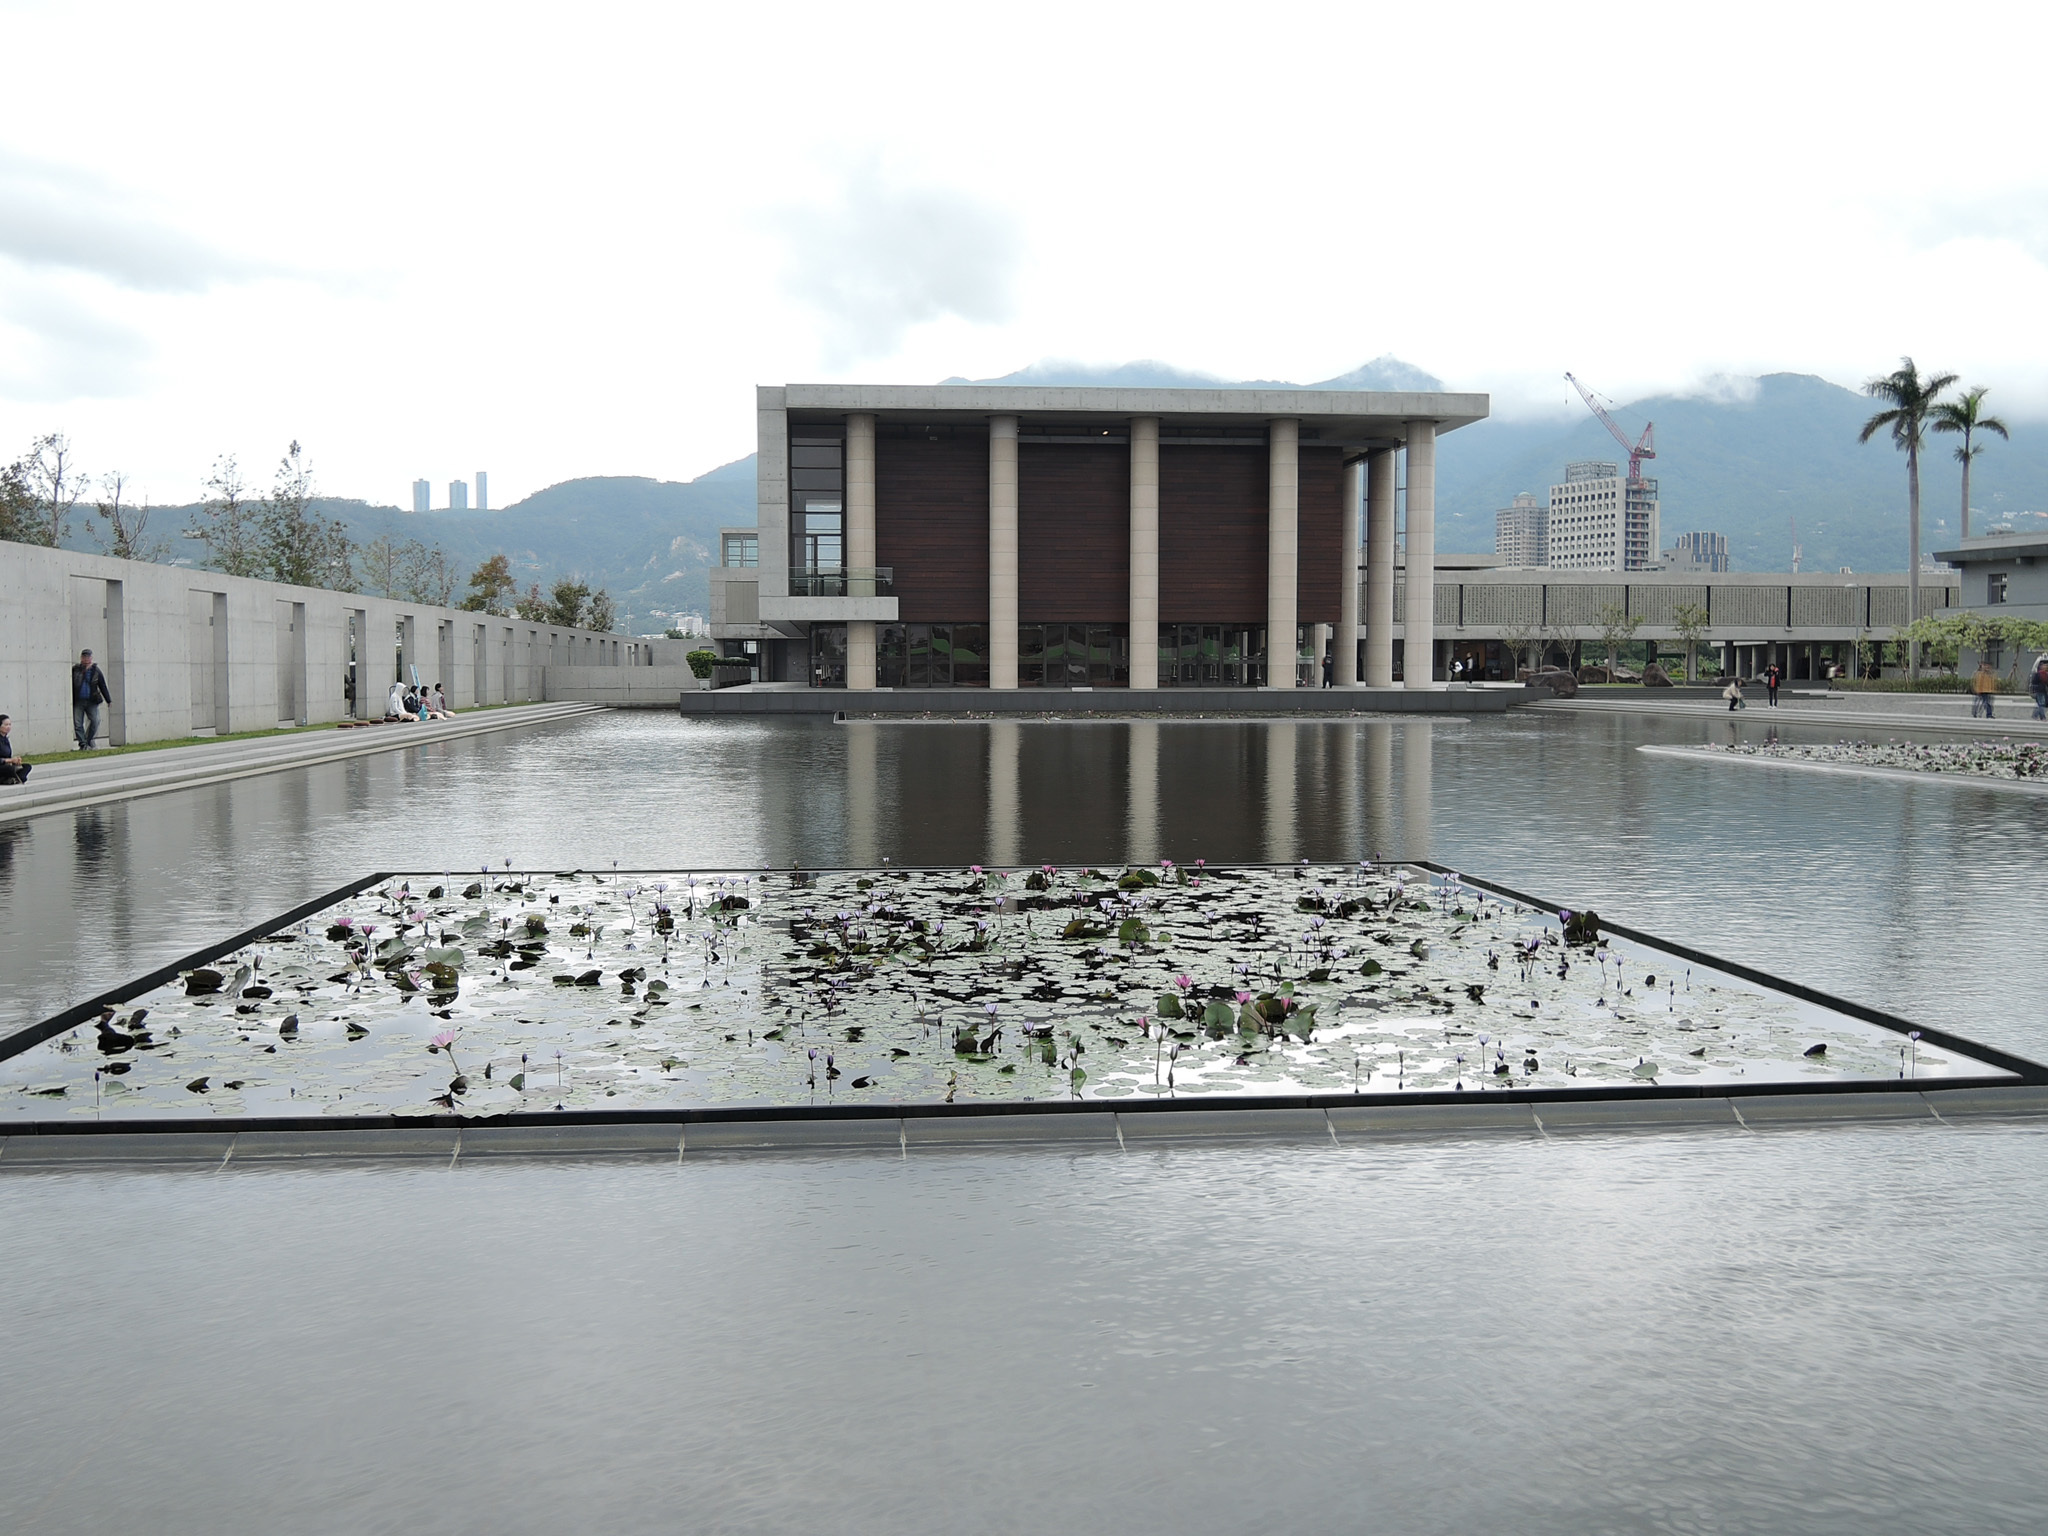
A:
(194, 652)
(622, 685)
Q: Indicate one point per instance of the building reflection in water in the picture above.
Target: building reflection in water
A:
(1009, 792)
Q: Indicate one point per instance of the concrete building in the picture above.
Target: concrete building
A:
(1485, 615)
(1599, 522)
(1521, 533)
(196, 653)
(1014, 537)
(483, 491)
(422, 496)
(1697, 552)
(458, 495)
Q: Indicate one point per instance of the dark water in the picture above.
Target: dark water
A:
(1791, 1331)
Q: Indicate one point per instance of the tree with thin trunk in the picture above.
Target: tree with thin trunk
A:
(226, 524)
(1617, 628)
(1909, 400)
(1966, 416)
(491, 585)
(126, 535)
(299, 547)
(54, 486)
(1692, 624)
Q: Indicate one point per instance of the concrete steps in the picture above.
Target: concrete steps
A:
(1847, 715)
(123, 776)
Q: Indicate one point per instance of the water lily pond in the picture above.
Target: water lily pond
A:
(516, 991)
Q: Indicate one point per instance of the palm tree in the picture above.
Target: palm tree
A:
(1911, 400)
(1966, 416)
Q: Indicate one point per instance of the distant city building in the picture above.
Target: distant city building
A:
(1521, 533)
(458, 495)
(1599, 522)
(483, 491)
(422, 496)
(1697, 552)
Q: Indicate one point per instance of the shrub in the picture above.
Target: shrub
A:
(700, 662)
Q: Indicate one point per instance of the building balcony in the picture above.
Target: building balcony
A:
(845, 581)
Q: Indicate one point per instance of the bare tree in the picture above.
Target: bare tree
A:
(299, 547)
(377, 564)
(227, 522)
(1617, 628)
(54, 485)
(126, 532)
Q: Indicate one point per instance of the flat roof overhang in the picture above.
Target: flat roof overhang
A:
(1995, 549)
(1350, 417)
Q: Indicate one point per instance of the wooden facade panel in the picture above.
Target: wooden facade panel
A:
(1319, 537)
(931, 524)
(1212, 535)
(1073, 533)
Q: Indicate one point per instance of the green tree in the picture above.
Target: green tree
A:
(126, 534)
(298, 546)
(601, 616)
(533, 607)
(425, 576)
(491, 587)
(1910, 400)
(566, 601)
(1692, 624)
(1617, 628)
(17, 504)
(377, 566)
(1966, 416)
(227, 522)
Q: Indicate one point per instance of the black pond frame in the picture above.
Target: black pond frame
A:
(2025, 1073)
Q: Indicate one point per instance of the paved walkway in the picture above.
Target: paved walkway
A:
(1942, 714)
(122, 776)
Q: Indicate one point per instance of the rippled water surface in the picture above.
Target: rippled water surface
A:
(1786, 1331)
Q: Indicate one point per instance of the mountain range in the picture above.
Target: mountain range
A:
(1748, 458)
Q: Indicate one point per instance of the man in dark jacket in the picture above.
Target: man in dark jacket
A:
(88, 693)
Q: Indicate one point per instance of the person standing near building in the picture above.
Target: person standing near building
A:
(2038, 686)
(1771, 683)
(88, 693)
(1983, 687)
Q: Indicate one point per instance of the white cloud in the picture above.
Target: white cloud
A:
(876, 259)
(55, 217)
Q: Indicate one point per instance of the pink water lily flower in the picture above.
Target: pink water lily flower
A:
(1184, 982)
(444, 1039)
(1243, 998)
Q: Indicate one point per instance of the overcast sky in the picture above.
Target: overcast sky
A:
(551, 241)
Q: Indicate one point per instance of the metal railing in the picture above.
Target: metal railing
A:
(850, 581)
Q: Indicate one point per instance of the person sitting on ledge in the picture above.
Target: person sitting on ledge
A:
(394, 704)
(12, 769)
(435, 703)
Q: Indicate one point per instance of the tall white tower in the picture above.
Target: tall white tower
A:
(422, 496)
(458, 495)
(483, 491)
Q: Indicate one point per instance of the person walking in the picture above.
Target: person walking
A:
(1771, 682)
(2038, 686)
(1984, 686)
(88, 693)
(12, 769)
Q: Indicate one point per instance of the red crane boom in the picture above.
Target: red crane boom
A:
(1645, 447)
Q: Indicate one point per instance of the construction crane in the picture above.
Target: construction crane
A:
(1645, 447)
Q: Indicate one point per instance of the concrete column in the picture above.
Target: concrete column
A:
(860, 542)
(1346, 675)
(1381, 466)
(1144, 551)
(1283, 505)
(1002, 552)
(1419, 632)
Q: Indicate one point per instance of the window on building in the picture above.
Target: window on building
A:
(1994, 587)
(817, 502)
(742, 551)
